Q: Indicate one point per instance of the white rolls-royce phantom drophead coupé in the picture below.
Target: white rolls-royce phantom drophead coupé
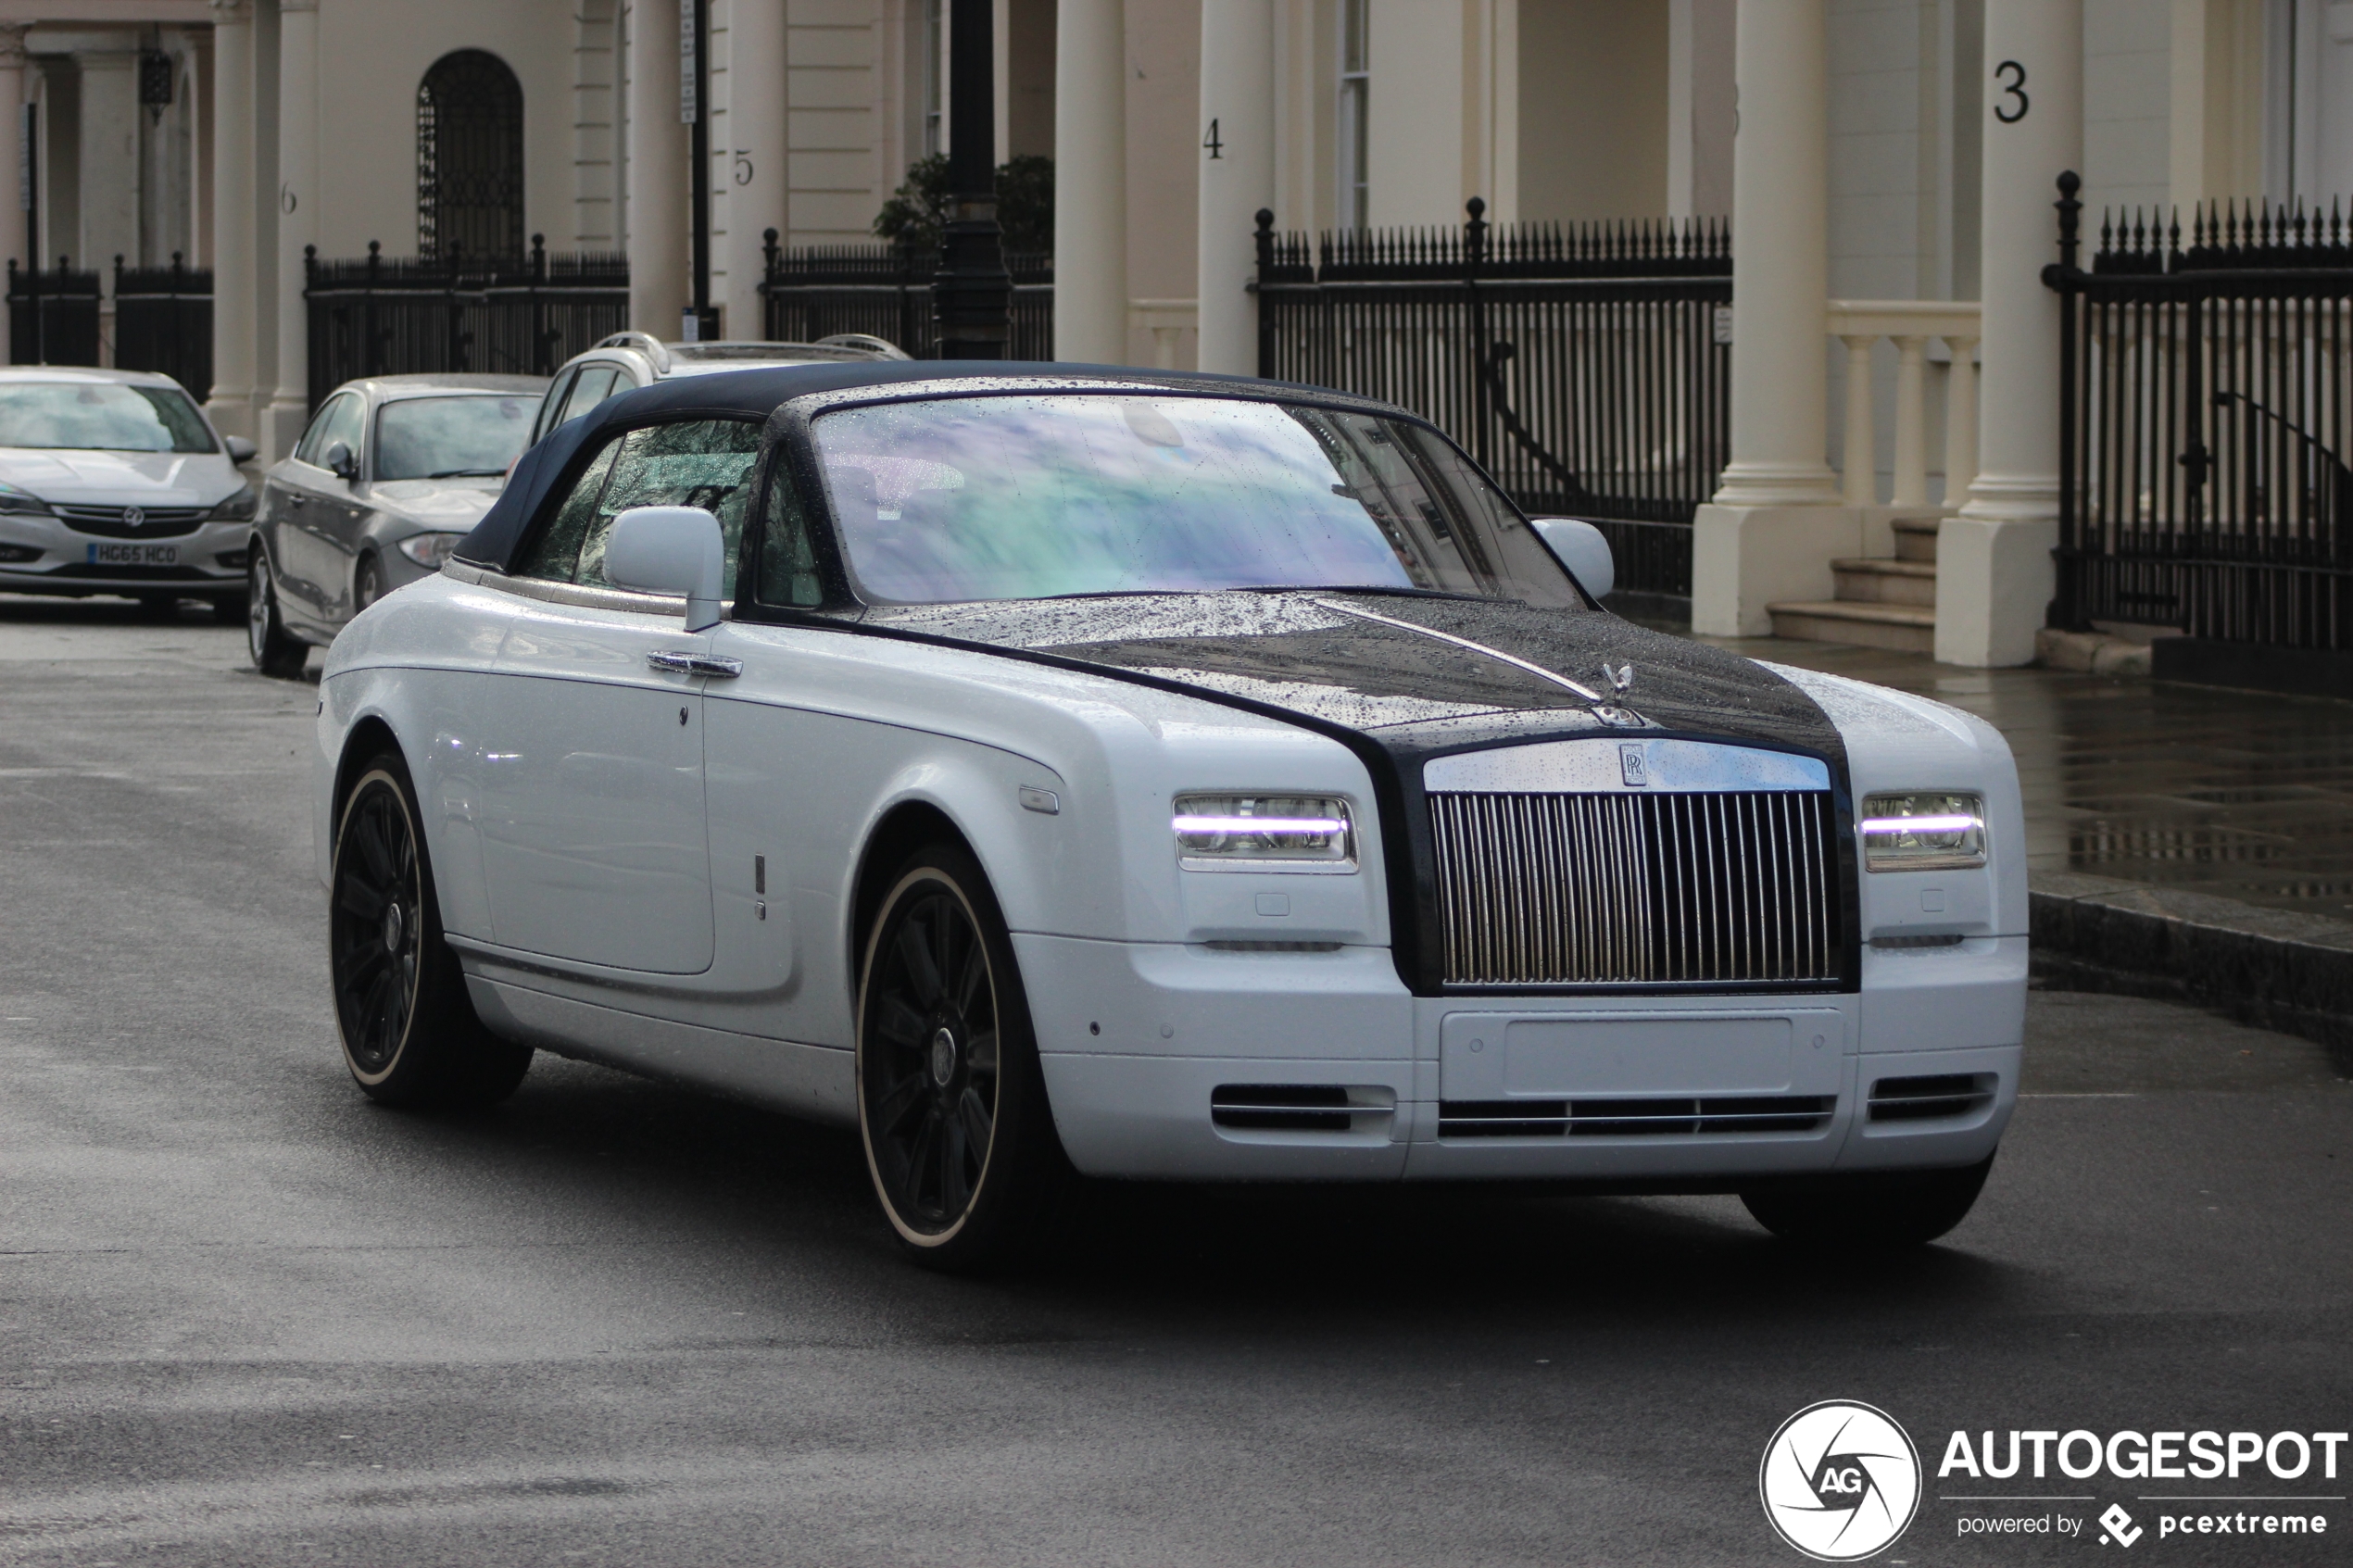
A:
(1059, 773)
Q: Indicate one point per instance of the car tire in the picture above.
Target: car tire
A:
(410, 1034)
(952, 1114)
(1867, 1209)
(366, 583)
(275, 652)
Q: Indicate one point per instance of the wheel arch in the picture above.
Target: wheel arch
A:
(368, 737)
(902, 828)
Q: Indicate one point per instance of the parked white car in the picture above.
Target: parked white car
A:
(113, 482)
(1160, 777)
(392, 471)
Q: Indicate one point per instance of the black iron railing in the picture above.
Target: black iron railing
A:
(53, 316)
(816, 291)
(517, 316)
(2203, 481)
(1584, 366)
(163, 322)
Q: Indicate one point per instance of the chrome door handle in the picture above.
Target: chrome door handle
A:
(696, 664)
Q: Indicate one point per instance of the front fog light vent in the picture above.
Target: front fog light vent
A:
(1300, 1107)
(1289, 833)
(1927, 830)
(1941, 1097)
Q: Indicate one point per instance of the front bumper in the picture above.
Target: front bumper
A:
(1140, 1043)
(55, 558)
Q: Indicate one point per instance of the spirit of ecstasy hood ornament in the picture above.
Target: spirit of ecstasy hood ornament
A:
(1621, 679)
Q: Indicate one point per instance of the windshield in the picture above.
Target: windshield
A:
(447, 437)
(1011, 497)
(101, 416)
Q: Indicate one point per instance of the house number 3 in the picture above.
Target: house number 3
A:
(2014, 88)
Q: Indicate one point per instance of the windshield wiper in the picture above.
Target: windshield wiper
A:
(467, 473)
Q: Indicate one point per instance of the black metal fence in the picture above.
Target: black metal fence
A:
(53, 316)
(163, 322)
(2203, 482)
(1586, 367)
(518, 315)
(816, 291)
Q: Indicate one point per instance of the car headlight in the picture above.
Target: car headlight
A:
(22, 502)
(1274, 833)
(1926, 830)
(430, 549)
(238, 507)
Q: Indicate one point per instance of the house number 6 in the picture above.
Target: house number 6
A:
(2014, 88)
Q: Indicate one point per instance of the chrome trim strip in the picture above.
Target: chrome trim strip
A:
(1536, 669)
(1596, 766)
(576, 594)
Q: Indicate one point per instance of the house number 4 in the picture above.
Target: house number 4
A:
(1214, 143)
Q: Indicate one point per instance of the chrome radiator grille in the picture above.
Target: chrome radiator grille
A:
(1598, 889)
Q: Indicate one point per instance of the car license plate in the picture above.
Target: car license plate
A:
(134, 554)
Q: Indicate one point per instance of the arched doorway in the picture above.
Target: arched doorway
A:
(470, 158)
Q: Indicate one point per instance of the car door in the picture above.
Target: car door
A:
(595, 844)
(339, 517)
(301, 492)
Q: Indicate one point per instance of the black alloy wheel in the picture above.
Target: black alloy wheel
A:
(275, 652)
(951, 1104)
(410, 1033)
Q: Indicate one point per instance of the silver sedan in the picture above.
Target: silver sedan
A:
(392, 473)
(113, 482)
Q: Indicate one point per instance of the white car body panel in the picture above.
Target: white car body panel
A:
(1138, 1017)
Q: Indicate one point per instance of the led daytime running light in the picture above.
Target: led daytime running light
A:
(1919, 824)
(1258, 825)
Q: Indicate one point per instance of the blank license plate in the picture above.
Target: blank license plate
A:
(134, 554)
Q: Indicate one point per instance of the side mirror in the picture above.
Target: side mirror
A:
(338, 461)
(670, 550)
(240, 450)
(1583, 549)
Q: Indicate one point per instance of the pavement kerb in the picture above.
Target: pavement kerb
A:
(2278, 968)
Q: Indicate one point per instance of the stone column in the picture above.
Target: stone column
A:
(233, 282)
(298, 221)
(108, 162)
(1091, 180)
(1776, 522)
(1994, 576)
(657, 239)
(14, 242)
(1237, 175)
(752, 165)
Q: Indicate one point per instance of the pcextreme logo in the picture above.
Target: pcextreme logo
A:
(1839, 1481)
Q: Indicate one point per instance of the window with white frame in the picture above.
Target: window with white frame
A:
(1356, 87)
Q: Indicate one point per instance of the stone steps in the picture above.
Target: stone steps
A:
(1881, 603)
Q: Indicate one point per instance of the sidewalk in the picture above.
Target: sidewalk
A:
(2184, 841)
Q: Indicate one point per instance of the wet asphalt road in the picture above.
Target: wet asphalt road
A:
(248, 1318)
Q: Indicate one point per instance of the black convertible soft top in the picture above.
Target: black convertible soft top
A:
(758, 393)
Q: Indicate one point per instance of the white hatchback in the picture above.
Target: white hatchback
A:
(113, 482)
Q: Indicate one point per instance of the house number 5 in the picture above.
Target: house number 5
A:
(2014, 88)
(743, 167)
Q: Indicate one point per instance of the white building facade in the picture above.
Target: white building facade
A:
(1887, 165)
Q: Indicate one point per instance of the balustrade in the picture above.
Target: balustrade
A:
(1909, 324)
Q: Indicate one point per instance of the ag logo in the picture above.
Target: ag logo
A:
(1839, 1481)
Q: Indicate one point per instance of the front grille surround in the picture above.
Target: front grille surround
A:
(1725, 890)
(154, 522)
